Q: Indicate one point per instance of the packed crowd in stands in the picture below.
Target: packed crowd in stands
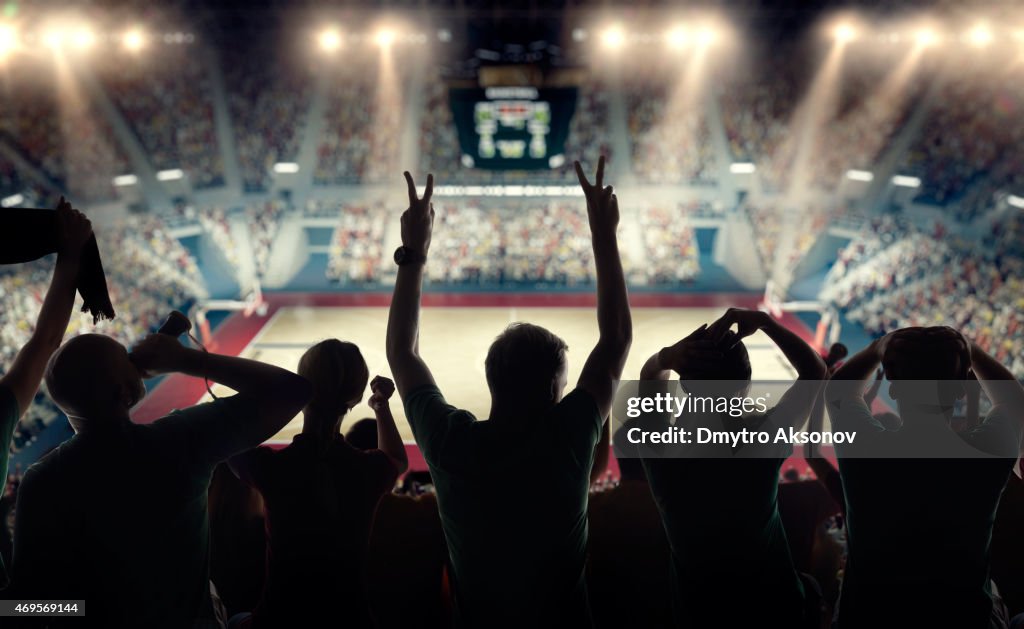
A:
(757, 107)
(668, 129)
(872, 106)
(216, 222)
(355, 251)
(263, 221)
(671, 254)
(896, 275)
(168, 102)
(30, 118)
(93, 156)
(269, 99)
(362, 127)
(772, 220)
(971, 131)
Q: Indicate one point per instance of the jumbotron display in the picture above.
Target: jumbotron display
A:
(512, 128)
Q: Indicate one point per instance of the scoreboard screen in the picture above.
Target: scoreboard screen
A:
(512, 128)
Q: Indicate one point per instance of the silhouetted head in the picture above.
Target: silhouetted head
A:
(92, 380)
(926, 367)
(363, 434)
(526, 368)
(731, 373)
(836, 353)
(338, 374)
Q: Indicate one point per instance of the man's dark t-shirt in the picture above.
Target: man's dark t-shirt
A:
(319, 508)
(919, 529)
(117, 517)
(513, 503)
(719, 505)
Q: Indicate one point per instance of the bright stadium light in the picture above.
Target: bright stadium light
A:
(926, 37)
(329, 40)
(12, 201)
(84, 38)
(742, 168)
(53, 38)
(859, 175)
(172, 174)
(844, 32)
(1015, 201)
(8, 40)
(613, 38)
(677, 38)
(906, 181)
(125, 180)
(286, 167)
(384, 37)
(133, 40)
(707, 36)
(980, 36)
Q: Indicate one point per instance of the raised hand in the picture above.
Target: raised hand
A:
(602, 204)
(693, 354)
(73, 228)
(158, 354)
(418, 220)
(382, 389)
(746, 321)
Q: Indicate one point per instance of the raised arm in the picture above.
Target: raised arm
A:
(388, 440)
(796, 404)
(604, 366)
(407, 368)
(277, 394)
(872, 392)
(999, 384)
(25, 373)
(850, 379)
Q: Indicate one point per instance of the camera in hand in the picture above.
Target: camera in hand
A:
(175, 325)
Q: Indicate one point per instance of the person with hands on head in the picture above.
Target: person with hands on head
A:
(320, 496)
(515, 563)
(117, 515)
(719, 506)
(935, 573)
(19, 384)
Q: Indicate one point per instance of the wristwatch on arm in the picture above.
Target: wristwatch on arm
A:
(404, 255)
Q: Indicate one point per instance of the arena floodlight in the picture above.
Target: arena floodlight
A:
(84, 38)
(122, 181)
(980, 36)
(707, 35)
(613, 38)
(133, 40)
(742, 168)
(286, 167)
(677, 38)
(859, 175)
(329, 40)
(1015, 201)
(384, 37)
(926, 37)
(53, 38)
(906, 181)
(171, 174)
(844, 32)
(8, 40)
(12, 201)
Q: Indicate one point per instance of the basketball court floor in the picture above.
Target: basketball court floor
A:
(454, 342)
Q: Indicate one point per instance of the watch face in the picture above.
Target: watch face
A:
(400, 255)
